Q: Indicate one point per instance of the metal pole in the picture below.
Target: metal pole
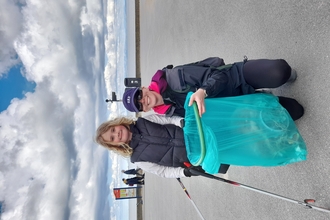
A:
(304, 203)
(185, 190)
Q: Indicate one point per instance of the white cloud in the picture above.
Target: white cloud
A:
(10, 27)
(50, 168)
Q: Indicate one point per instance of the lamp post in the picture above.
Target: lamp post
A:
(113, 98)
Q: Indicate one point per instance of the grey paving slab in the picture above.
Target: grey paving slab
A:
(179, 31)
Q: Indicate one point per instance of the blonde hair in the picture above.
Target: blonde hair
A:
(120, 148)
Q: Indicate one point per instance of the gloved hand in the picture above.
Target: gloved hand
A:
(188, 172)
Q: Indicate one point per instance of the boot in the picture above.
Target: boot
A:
(265, 90)
(293, 76)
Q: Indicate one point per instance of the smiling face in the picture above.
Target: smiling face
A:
(150, 99)
(117, 134)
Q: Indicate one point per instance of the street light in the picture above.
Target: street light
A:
(113, 98)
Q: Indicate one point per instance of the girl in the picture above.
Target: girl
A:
(155, 148)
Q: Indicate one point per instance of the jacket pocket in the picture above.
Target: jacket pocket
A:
(175, 79)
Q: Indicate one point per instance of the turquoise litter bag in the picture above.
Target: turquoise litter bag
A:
(247, 130)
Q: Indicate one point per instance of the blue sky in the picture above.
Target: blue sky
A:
(14, 85)
(58, 63)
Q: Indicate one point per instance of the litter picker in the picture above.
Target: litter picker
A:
(305, 203)
(185, 190)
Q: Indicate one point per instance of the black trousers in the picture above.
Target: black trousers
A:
(264, 73)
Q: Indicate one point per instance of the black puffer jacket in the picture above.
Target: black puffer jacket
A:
(160, 144)
(211, 74)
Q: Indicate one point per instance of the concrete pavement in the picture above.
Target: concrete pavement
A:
(178, 32)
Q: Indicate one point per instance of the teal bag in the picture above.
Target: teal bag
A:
(247, 130)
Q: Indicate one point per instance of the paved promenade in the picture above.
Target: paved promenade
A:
(179, 31)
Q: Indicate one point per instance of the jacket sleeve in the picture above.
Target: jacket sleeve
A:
(215, 84)
(162, 171)
(162, 119)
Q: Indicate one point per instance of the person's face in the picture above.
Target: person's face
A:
(149, 99)
(117, 134)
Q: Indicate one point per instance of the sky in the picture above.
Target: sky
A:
(13, 85)
(59, 61)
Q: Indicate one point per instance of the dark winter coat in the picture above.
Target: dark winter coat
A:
(211, 74)
(133, 181)
(160, 144)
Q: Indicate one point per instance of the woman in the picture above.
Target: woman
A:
(210, 78)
